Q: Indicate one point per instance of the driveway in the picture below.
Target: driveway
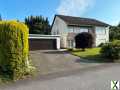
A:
(59, 70)
(52, 61)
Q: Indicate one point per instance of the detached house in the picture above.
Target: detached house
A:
(69, 27)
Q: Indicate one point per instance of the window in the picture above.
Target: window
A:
(70, 29)
(70, 43)
(83, 30)
(80, 30)
(100, 30)
(76, 30)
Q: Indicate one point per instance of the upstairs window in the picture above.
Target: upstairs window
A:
(100, 30)
(70, 29)
(83, 30)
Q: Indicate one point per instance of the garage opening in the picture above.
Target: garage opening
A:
(44, 42)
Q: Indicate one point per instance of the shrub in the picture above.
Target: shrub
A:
(84, 40)
(116, 43)
(14, 49)
(102, 44)
(111, 50)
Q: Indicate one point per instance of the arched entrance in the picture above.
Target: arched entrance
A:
(84, 40)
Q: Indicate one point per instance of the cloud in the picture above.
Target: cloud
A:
(74, 7)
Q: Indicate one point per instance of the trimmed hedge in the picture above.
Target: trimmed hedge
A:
(14, 49)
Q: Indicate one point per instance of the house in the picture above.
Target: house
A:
(69, 27)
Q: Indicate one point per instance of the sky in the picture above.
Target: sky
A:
(104, 10)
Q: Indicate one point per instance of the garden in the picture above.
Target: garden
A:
(105, 52)
(108, 52)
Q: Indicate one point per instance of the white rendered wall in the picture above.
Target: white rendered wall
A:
(102, 35)
(60, 28)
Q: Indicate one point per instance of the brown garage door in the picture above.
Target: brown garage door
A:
(42, 44)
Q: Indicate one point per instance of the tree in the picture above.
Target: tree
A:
(84, 40)
(37, 25)
(115, 32)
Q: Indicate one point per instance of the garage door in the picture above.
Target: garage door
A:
(42, 44)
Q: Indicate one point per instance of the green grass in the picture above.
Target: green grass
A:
(92, 54)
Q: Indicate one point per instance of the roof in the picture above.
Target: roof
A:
(78, 21)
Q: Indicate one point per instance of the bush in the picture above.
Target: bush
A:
(84, 40)
(111, 50)
(116, 43)
(14, 49)
(102, 44)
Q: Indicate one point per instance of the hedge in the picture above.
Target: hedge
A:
(14, 49)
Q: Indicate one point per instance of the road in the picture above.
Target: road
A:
(96, 78)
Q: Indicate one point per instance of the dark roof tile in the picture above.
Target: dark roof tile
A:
(78, 21)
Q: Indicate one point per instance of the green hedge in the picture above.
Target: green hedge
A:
(14, 49)
(111, 50)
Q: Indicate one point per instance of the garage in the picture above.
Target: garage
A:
(44, 42)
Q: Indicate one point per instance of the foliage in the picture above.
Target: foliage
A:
(115, 33)
(101, 45)
(92, 54)
(38, 25)
(111, 50)
(84, 40)
(14, 49)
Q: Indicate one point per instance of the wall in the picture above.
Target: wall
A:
(60, 28)
(102, 35)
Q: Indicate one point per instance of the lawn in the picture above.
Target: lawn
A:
(92, 54)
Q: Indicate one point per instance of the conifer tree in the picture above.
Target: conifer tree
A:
(37, 25)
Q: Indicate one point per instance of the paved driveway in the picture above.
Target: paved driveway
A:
(52, 61)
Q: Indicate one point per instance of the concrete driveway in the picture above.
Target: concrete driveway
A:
(52, 61)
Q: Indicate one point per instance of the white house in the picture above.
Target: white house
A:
(68, 27)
